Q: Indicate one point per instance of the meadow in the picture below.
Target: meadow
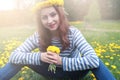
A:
(103, 36)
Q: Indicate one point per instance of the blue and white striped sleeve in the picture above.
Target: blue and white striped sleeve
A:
(89, 58)
(24, 55)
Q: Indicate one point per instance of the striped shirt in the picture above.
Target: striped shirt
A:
(78, 56)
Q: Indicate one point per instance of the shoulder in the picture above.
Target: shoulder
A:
(36, 34)
(34, 37)
(73, 30)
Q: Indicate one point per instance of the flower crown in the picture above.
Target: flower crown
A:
(47, 3)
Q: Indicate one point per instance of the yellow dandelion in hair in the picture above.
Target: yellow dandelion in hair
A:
(47, 3)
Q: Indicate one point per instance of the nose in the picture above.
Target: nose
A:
(50, 20)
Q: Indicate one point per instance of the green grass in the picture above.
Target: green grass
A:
(102, 37)
(110, 25)
(19, 32)
(106, 33)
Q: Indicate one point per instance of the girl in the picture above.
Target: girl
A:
(76, 58)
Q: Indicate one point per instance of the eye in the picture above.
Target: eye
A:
(53, 14)
(44, 17)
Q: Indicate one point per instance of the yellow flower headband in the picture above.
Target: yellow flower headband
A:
(47, 3)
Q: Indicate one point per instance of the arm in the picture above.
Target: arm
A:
(89, 58)
(23, 54)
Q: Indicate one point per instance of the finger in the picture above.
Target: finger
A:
(51, 53)
(50, 61)
(45, 58)
(52, 57)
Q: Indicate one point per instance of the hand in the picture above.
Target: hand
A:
(55, 58)
(50, 57)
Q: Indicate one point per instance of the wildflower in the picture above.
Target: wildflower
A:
(94, 79)
(101, 56)
(47, 3)
(21, 78)
(52, 67)
(106, 63)
(23, 72)
(111, 58)
(92, 75)
(53, 49)
(113, 66)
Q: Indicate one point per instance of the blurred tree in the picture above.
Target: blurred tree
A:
(77, 9)
(93, 12)
(110, 9)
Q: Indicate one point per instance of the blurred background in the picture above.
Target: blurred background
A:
(18, 12)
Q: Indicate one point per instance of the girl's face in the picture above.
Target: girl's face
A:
(50, 18)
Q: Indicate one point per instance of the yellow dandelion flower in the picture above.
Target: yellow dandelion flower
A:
(47, 3)
(60, 2)
(94, 79)
(26, 68)
(113, 66)
(23, 72)
(111, 58)
(21, 78)
(52, 1)
(112, 50)
(114, 54)
(106, 63)
(107, 56)
(52, 67)
(118, 55)
(1, 62)
(101, 56)
(111, 44)
(92, 75)
(53, 49)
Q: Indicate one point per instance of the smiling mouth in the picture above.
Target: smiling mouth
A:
(52, 26)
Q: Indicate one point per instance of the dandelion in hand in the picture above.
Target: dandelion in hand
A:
(52, 67)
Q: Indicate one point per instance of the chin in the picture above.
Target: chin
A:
(53, 29)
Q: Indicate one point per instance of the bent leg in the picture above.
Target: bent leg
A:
(102, 72)
(9, 70)
(60, 74)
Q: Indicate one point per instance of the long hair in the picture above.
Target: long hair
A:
(45, 35)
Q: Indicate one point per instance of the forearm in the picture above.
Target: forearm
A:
(83, 63)
(25, 58)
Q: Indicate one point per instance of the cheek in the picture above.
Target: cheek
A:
(58, 19)
(43, 22)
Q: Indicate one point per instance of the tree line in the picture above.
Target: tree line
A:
(78, 9)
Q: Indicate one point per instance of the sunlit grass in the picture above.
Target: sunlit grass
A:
(19, 32)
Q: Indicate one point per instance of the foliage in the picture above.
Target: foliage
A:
(110, 9)
(94, 12)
